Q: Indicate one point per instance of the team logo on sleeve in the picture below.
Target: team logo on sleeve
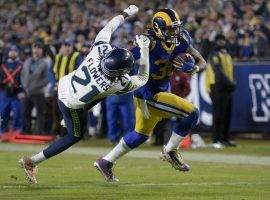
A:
(260, 90)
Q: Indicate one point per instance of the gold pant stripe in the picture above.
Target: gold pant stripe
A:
(169, 107)
(164, 108)
(162, 105)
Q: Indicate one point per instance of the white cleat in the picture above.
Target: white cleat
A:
(175, 159)
(30, 169)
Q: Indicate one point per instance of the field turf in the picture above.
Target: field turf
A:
(241, 173)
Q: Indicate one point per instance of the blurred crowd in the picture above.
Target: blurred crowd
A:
(245, 23)
(39, 30)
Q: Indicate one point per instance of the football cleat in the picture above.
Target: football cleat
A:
(30, 169)
(105, 167)
(175, 159)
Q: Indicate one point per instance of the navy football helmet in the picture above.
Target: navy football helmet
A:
(117, 62)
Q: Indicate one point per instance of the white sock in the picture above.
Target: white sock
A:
(38, 158)
(174, 142)
(118, 151)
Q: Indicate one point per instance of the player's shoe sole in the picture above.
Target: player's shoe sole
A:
(29, 169)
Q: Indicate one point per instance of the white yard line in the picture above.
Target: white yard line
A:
(189, 156)
(238, 183)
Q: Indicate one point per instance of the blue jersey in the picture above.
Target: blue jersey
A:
(161, 69)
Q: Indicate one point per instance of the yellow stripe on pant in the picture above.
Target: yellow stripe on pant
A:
(162, 105)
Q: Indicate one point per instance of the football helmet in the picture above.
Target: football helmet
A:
(167, 26)
(117, 62)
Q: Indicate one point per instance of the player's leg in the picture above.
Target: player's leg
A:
(17, 114)
(76, 123)
(27, 105)
(128, 117)
(131, 140)
(5, 113)
(168, 105)
(112, 115)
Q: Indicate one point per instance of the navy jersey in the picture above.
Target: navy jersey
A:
(161, 67)
(160, 64)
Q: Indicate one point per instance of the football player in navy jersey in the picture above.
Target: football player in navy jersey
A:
(167, 38)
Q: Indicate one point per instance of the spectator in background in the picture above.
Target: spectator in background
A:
(261, 45)
(34, 78)
(66, 61)
(120, 116)
(120, 110)
(220, 84)
(11, 90)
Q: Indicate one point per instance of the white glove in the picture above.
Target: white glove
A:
(144, 108)
(142, 41)
(63, 123)
(131, 10)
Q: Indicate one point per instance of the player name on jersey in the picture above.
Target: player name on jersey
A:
(100, 80)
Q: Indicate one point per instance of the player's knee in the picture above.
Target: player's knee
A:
(134, 139)
(183, 126)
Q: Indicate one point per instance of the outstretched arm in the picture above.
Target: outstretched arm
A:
(105, 34)
(141, 78)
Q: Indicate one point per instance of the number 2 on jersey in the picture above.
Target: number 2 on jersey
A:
(93, 89)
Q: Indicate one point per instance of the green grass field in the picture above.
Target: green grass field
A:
(239, 173)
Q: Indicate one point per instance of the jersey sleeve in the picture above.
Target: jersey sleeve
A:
(136, 50)
(187, 38)
(105, 34)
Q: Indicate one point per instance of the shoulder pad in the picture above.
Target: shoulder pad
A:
(187, 37)
(99, 43)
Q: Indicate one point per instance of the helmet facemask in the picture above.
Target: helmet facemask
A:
(173, 34)
(167, 26)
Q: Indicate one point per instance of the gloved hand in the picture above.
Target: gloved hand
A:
(189, 66)
(144, 108)
(142, 41)
(131, 10)
(62, 123)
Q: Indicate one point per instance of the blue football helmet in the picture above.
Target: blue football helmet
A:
(117, 62)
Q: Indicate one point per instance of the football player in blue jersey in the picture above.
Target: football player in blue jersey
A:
(167, 38)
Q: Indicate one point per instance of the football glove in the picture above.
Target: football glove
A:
(142, 41)
(131, 10)
(144, 108)
(189, 67)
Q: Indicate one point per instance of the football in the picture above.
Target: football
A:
(177, 63)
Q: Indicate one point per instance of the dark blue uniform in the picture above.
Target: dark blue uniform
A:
(160, 102)
(161, 67)
(10, 87)
(119, 108)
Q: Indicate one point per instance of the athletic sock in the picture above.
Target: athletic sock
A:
(38, 158)
(174, 142)
(118, 151)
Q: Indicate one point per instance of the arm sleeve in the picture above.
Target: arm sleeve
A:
(141, 78)
(23, 73)
(43, 76)
(105, 34)
(51, 77)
